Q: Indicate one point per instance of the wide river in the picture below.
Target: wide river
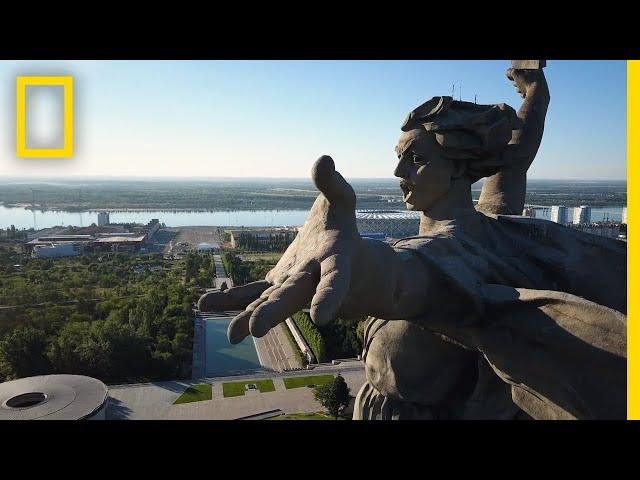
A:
(23, 218)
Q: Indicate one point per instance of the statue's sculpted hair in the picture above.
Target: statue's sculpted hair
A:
(467, 131)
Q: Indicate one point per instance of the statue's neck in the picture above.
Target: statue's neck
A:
(453, 208)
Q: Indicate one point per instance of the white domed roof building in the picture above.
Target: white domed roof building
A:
(53, 397)
(205, 247)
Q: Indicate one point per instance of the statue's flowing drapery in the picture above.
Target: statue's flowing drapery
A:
(538, 329)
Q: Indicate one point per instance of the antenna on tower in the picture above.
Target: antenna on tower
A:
(475, 98)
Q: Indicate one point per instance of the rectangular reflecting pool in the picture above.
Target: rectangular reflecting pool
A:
(222, 358)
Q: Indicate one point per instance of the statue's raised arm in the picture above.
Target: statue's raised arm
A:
(504, 192)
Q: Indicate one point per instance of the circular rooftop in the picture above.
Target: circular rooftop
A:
(52, 397)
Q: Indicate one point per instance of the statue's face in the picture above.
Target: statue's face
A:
(426, 175)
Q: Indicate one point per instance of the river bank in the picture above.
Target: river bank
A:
(38, 219)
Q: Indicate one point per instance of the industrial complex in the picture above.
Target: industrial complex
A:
(105, 238)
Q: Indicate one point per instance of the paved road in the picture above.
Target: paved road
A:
(221, 275)
(219, 266)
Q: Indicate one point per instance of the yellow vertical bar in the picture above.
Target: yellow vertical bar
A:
(21, 142)
(68, 117)
(633, 219)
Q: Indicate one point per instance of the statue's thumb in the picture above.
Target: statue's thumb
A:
(333, 185)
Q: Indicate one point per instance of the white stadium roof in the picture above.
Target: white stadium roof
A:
(387, 215)
(52, 397)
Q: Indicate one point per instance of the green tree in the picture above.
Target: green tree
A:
(103, 349)
(140, 330)
(23, 353)
(333, 396)
(77, 350)
(360, 331)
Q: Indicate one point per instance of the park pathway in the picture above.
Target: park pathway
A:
(221, 275)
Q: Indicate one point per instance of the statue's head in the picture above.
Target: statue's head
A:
(444, 141)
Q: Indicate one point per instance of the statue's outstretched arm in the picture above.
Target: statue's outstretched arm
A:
(329, 268)
(504, 192)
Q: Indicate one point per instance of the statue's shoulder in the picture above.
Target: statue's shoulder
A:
(434, 242)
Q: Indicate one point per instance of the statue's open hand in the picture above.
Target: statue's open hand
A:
(315, 268)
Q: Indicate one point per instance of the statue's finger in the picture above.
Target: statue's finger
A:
(283, 302)
(333, 185)
(239, 327)
(509, 74)
(335, 277)
(234, 298)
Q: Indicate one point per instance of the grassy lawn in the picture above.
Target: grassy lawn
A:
(267, 256)
(235, 389)
(195, 393)
(303, 416)
(297, 382)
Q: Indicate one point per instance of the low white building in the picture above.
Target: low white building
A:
(560, 214)
(582, 215)
(55, 250)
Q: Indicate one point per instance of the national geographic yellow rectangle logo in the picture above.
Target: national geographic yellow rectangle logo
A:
(21, 118)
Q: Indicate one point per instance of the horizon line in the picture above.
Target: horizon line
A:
(185, 178)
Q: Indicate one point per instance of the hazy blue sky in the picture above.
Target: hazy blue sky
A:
(273, 119)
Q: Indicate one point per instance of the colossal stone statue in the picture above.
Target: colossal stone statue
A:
(484, 314)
